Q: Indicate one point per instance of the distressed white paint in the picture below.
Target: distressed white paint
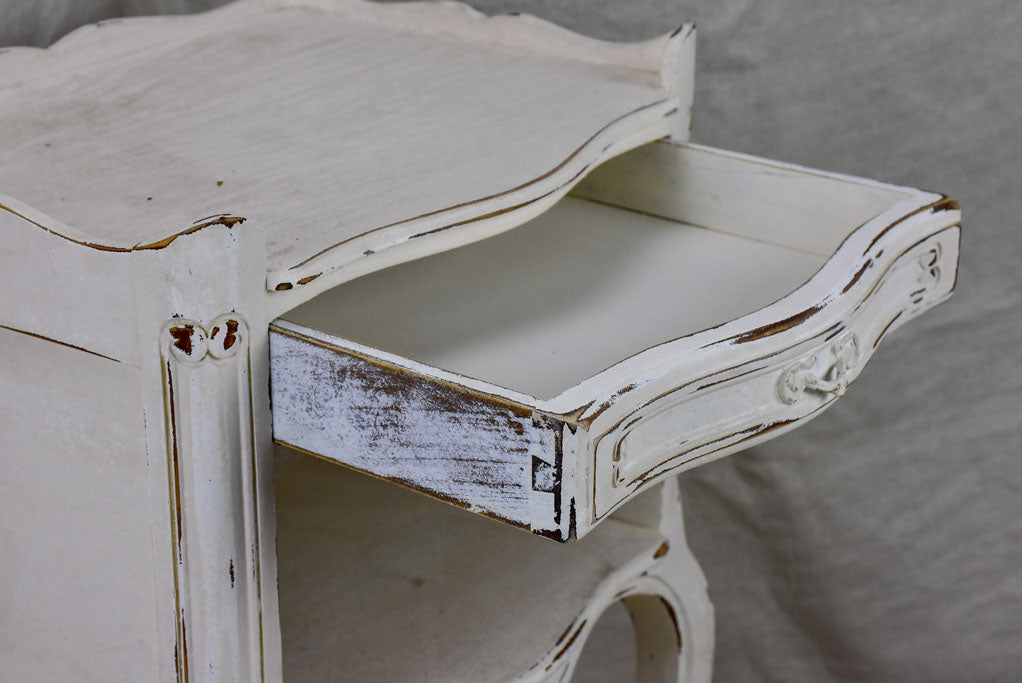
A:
(438, 595)
(407, 431)
(202, 452)
(240, 150)
(230, 122)
(212, 470)
(242, 162)
(659, 344)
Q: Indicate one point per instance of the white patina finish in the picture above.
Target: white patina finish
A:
(409, 104)
(209, 400)
(76, 554)
(260, 147)
(442, 596)
(241, 163)
(692, 388)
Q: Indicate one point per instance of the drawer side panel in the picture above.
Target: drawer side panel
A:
(471, 451)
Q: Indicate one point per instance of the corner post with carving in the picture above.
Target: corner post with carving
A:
(202, 300)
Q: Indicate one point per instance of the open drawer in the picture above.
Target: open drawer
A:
(681, 304)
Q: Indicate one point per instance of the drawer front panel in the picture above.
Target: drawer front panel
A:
(714, 415)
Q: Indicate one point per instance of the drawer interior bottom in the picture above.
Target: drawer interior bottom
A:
(542, 307)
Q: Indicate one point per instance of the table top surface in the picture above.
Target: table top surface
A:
(342, 128)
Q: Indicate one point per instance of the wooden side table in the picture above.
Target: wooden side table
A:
(474, 257)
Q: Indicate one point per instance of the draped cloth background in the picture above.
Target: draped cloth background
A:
(882, 541)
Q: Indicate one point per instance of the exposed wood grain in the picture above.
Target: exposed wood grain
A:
(463, 448)
(665, 392)
(242, 162)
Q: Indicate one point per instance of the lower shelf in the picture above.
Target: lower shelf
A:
(378, 583)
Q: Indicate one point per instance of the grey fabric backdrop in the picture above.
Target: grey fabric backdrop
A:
(883, 541)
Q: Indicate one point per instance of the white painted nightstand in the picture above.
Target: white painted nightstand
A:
(230, 245)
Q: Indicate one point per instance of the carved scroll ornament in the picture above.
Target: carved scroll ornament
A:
(839, 359)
